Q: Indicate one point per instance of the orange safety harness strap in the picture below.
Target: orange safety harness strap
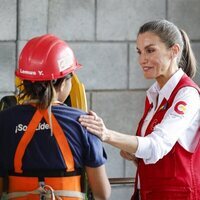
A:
(26, 138)
(28, 134)
(62, 142)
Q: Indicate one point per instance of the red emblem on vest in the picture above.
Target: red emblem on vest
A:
(180, 107)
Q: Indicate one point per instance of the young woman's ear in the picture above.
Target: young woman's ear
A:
(62, 85)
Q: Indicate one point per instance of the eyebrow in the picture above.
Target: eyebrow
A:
(150, 45)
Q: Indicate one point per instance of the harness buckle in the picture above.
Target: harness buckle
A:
(47, 192)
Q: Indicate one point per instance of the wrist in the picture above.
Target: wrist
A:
(106, 136)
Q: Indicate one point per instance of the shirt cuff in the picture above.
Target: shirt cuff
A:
(144, 148)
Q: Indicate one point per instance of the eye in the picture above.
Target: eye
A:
(138, 52)
(150, 50)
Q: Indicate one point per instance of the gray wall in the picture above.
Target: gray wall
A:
(102, 33)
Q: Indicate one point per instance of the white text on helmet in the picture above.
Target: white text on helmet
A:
(27, 72)
(40, 73)
(66, 61)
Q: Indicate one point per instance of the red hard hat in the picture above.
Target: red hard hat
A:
(46, 58)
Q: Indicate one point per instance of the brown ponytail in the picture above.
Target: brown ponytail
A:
(188, 60)
(41, 93)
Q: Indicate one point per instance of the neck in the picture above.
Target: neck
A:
(162, 80)
(57, 102)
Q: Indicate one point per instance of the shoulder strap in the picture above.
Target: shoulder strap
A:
(28, 135)
(62, 142)
(26, 138)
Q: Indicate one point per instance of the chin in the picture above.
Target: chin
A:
(148, 76)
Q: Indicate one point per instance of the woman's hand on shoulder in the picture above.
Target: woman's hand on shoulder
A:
(94, 124)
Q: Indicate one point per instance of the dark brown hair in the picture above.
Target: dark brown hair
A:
(170, 35)
(41, 91)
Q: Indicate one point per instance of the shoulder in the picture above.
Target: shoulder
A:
(9, 110)
(16, 113)
(186, 81)
(187, 101)
(188, 92)
(68, 118)
(189, 95)
(64, 110)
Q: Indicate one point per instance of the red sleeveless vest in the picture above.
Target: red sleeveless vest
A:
(177, 175)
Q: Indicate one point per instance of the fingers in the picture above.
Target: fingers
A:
(93, 124)
(127, 155)
(92, 118)
(93, 114)
(94, 129)
(89, 121)
(122, 154)
(88, 124)
(87, 118)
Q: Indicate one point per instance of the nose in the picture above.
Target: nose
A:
(143, 59)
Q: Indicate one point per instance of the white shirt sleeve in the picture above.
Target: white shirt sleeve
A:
(174, 127)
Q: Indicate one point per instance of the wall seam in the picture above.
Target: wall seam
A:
(95, 20)
(47, 26)
(166, 10)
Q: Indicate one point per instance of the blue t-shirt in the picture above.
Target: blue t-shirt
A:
(42, 152)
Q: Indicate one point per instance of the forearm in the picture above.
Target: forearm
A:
(98, 182)
(122, 141)
(96, 126)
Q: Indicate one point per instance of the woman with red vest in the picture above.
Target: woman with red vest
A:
(45, 151)
(167, 142)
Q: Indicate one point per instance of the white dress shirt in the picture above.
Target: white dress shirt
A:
(174, 126)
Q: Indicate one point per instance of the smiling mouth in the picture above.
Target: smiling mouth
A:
(147, 68)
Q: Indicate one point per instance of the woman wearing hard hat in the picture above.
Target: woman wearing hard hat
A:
(45, 151)
(166, 146)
